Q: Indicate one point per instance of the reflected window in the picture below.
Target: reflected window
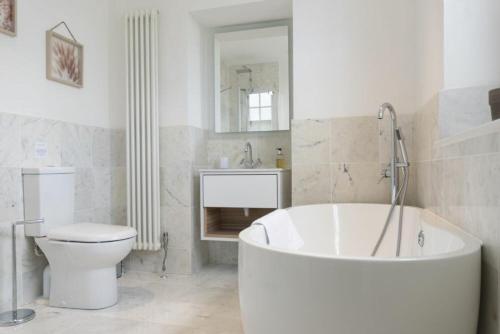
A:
(260, 106)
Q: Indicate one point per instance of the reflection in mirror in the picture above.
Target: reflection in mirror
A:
(251, 80)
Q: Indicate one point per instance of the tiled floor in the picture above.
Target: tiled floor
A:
(205, 303)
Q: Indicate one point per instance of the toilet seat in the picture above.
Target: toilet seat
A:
(91, 233)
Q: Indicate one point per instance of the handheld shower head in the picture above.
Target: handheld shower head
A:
(402, 147)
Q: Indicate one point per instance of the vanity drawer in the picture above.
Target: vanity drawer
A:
(240, 191)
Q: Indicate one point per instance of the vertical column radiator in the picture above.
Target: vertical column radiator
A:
(143, 181)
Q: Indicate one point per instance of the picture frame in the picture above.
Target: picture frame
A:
(8, 17)
(64, 60)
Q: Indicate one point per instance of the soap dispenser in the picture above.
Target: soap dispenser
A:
(280, 158)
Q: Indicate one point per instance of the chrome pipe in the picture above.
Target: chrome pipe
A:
(397, 192)
(17, 316)
(393, 170)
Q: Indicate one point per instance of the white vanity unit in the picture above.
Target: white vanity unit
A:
(231, 199)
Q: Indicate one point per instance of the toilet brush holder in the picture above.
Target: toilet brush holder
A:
(17, 316)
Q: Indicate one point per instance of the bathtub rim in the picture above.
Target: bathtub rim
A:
(472, 244)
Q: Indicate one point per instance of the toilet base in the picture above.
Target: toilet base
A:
(83, 275)
(83, 289)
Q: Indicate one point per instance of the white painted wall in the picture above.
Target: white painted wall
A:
(429, 50)
(181, 64)
(23, 86)
(351, 56)
(186, 51)
(471, 43)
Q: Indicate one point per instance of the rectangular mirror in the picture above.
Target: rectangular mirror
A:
(252, 80)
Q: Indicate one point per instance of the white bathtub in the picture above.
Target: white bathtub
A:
(332, 286)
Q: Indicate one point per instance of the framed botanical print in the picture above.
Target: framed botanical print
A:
(8, 17)
(64, 60)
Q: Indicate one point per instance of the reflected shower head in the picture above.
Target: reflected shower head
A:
(244, 69)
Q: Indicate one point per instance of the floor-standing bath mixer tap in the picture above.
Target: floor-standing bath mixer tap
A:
(397, 162)
(392, 172)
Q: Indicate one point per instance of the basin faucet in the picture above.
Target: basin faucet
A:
(247, 161)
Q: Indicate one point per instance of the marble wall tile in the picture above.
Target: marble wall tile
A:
(200, 254)
(101, 215)
(178, 261)
(10, 194)
(348, 150)
(42, 136)
(463, 108)
(84, 188)
(84, 216)
(10, 140)
(177, 222)
(359, 183)
(264, 146)
(199, 141)
(118, 215)
(76, 145)
(101, 196)
(354, 140)
(118, 147)
(176, 184)
(118, 187)
(311, 141)
(175, 145)
(426, 130)
(462, 175)
(101, 148)
(222, 252)
(183, 150)
(91, 150)
(422, 171)
(311, 184)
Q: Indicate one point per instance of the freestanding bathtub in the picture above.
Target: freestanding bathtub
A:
(331, 285)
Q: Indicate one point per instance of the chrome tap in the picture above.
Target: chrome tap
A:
(397, 192)
(392, 171)
(247, 161)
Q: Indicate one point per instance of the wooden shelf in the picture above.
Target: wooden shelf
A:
(229, 222)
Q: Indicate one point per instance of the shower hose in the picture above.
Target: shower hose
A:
(401, 194)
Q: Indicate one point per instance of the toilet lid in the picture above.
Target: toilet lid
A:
(90, 232)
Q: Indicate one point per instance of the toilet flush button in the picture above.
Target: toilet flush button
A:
(41, 150)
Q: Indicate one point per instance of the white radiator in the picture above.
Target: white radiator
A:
(143, 176)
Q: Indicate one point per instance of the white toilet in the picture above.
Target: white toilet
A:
(82, 256)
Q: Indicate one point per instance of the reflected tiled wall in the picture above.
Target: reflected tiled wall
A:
(340, 160)
(458, 178)
(99, 158)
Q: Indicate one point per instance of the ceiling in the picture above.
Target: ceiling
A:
(232, 12)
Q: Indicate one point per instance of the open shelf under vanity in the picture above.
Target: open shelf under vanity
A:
(229, 222)
(231, 199)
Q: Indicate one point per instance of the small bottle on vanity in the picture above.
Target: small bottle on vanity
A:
(280, 158)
